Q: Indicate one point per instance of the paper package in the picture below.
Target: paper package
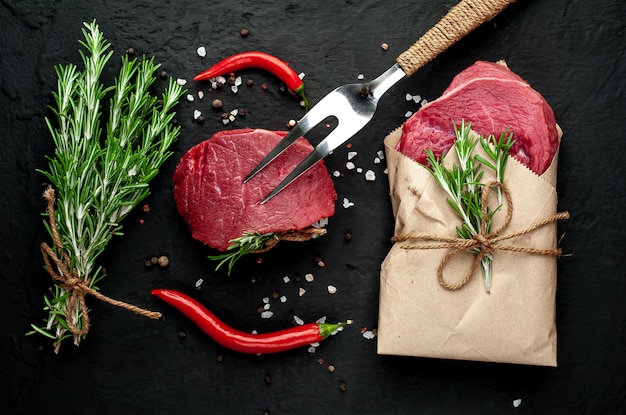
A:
(515, 322)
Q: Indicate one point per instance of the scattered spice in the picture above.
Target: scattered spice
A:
(331, 368)
(268, 379)
(163, 261)
(275, 295)
(347, 237)
(148, 263)
(146, 208)
(319, 262)
(130, 52)
(182, 334)
(219, 358)
(217, 104)
(154, 260)
(200, 119)
(244, 32)
(264, 86)
(384, 46)
(343, 386)
(163, 75)
(249, 82)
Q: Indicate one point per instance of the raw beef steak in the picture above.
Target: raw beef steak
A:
(492, 98)
(216, 204)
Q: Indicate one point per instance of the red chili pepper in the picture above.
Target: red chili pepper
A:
(228, 337)
(261, 60)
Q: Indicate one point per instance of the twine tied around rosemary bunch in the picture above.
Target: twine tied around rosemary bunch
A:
(482, 243)
(61, 271)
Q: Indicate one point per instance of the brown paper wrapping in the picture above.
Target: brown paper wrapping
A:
(515, 323)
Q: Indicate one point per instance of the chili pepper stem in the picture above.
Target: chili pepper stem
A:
(329, 329)
(300, 92)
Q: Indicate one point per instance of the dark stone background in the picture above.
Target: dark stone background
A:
(572, 51)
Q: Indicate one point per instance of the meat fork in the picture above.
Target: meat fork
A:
(354, 105)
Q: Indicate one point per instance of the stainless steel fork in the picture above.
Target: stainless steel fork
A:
(354, 105)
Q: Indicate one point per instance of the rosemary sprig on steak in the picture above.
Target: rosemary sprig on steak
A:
(100, 173)
(248, 243)
(462, 182)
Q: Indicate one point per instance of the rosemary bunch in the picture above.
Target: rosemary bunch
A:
(462, 182)
(100, 174)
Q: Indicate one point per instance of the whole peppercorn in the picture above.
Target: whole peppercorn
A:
(217, 104)
(163, 261)
(244, 32)
(130, 52)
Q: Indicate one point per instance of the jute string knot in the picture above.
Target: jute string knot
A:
(300, 235)
(70, 281)
(482, 243)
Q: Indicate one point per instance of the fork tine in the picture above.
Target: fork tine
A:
(340, 132)
(315, 115)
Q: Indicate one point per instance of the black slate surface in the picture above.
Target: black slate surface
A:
(572, 51)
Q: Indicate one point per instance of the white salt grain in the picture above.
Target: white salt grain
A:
(336, 173)
(332, 289)
(321, 320)
(225, 121)
(181, 81)
(347, 203)
(200, 94)
(386, 171)
(350, 165)
(316, 344)
(199, 282)
(220, 80)
(267, 306)
(298, 320)
(238, 81)
(190, 98)
(267, 314)
(369, 334)
(301, 291)
(301, 75)
(359, 170)
(416, 98)
(381, 154)
(408, 114)
(376, 160)
(231, 118)
(283, 299)
(408, 97)
(196, 114)
(309, 277)
(424, 102)
(286, 279)
(360, 76)
(370, 176)
(201, 51)
(312, 350)
(351, 155)
(266, 300)
(234, 88)
(517, 403)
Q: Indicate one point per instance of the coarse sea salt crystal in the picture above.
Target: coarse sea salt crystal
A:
(301, 75)
(359, 170)
(238, 81)
(381, 154)
(286, 279)
(190, 97)
(424, 102)
(267, 314)
(376, 160)
(350, 165)
(201, 51)
(351, 154)
(225, 121)
(234, 88)
(199, 282)
(517, 403)
(197, 114)
(309, 277)
(181, 81)
(360, 76)
(408, 114)
(408, 97)
(347, 203)
(336, 173)
(283, 299)
(267, 306)
(369, 334)
(386, 171)
(200, 94)
(298, 320)
(301, 291)
(370, 176)
(311, 349)
(332, 289)
(417, 98)
(321, 320)
(266, 300)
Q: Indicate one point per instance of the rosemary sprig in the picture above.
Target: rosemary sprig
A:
(99, 177)
(462, 182)
(245, 244)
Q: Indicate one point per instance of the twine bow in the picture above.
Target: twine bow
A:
(482, 243)
(300, 235)
(70, 281)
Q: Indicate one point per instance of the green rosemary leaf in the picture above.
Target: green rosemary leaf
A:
(245, 244)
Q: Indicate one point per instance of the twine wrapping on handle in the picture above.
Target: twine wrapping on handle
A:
(462, 19)
(60, 270)
(482, 243)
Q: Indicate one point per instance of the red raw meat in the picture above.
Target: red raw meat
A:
(211, 197)
(492, 98)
